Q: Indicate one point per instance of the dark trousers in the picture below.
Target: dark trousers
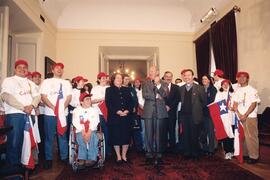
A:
(208, 139)
(42, 136)
(228, 144)
(104, 128)
(155, 141)
(171, 128)
(137, 140)
(191, 132)
(15, 137)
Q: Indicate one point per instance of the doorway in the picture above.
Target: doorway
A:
(134, 61)
(134, 68)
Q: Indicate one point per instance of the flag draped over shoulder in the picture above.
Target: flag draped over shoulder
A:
(218, 112)
(29, 143)
(238, 139)
(59, 112)
(103, 108)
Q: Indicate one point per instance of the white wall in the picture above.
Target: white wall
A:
(78, 49)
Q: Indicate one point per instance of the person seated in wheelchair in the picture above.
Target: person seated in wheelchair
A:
(85, 120)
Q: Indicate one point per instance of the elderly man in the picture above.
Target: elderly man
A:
(154, 92)
(172, 101)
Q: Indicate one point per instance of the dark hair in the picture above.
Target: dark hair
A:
(140, 87)
(113, 78)
(190, 70)
(89, 85)
(209, 78)
(124, 75)
(230, 88)
(178, 79)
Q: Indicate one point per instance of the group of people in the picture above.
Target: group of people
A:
(154, 115)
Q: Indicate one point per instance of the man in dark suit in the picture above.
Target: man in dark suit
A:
(154, 92)
(193, 99)
(172, 101)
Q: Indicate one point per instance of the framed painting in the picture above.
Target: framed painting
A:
(48, 67)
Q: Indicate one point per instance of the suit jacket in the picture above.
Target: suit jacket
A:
(199, 101)
(211, 94)
(150, 100)
(118, 99)
(172, 100)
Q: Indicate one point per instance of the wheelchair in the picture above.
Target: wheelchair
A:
(73, 150)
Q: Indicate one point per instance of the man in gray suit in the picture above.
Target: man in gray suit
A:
(155, 113)
(193, 98)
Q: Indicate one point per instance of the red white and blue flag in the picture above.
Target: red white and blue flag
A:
(221, 119)
(29, 143)
(238, 139)
(59, 112)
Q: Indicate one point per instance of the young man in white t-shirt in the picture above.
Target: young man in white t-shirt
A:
(20, 99)
(246, 102)
(50, 90)
(85, 120)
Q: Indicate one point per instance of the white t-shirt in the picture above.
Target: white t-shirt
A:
(51, 87)
(140, 97)
(41, 105)
(75, 100)
(22, 89)
(98, 92)
(218, 84)
(81, 115)
(245, 96)
(235, 86)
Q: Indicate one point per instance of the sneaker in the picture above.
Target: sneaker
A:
(228, 156)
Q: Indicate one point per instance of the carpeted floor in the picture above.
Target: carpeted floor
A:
(175, 167)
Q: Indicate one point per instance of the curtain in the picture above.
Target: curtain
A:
(202, 48)
(224, 41)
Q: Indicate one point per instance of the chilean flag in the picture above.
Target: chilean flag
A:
(29, 144)
(216, 110)
(103, 108)
(59, 112)
(238, 139)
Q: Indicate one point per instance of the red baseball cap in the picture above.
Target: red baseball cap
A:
(219, 73)
(21, 61)
(84, 95)
(78, 78)
(102, 74)
(183, 71)
(36, 74)
(225, 81)
(242, 73)
(59, 64)
(28, 74)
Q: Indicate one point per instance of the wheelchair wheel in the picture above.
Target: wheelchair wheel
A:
(72, 146)
(101, 153)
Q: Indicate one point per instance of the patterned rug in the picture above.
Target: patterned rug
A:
(175, 167)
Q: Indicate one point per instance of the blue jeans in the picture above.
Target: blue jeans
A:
(50, 123)
(15, 137)
(87, 151)
(104, 128)
(143, 133)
